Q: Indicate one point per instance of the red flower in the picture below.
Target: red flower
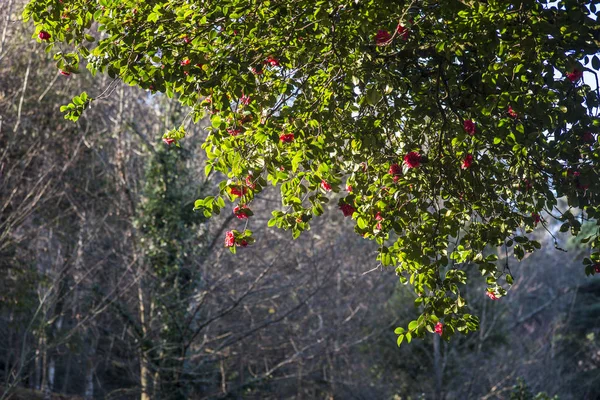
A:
(378, 216)
(596, 268)
(467, 161)
(186, 62)
(238, 191)
(234, 131)
(273, 62)
(382, 38)
(412, 159)
(347, 210)
(439, 328)
(244, 243)
(512, 113)
(245, 100)
(250, 183)
(186, 40)
(491, 295)
(588, 137)
(536, 218)
(395, 170)
(43, 35)
(326, 186)
(575, 75)
(402, 31)
(469, 126)
(229, 239)
(287, 137)
(242, 212)
(349, 188)
(168, 141)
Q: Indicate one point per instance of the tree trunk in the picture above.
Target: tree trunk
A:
(67, 377)
(90, 371)
(144, 370)
(437, 366)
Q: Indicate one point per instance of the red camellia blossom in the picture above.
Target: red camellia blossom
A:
(512, 113)
(287, 137)
(469, 126)
(395, 170)
(588, 137)
(575, 75)
(186, 62)
(245, 100)
(467, 161)
(439, 328)
(168, 141)
(412, 159)
(382, 38)
(326, 186)
(347, 210)
(536, 218)
(186, 40)
(234, 131)
(378, 216)
(229, 239)
(273, 62)
(491, 295)
(238, 191)
(402, 31)
(43, 35)
(241, 212)
(349, 188)
(250, 182)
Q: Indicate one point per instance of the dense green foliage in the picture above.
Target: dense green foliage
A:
(450, 126)
(169, 242)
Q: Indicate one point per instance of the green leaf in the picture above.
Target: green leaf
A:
(400, 339)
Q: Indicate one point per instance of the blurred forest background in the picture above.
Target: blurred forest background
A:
(111, 287)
